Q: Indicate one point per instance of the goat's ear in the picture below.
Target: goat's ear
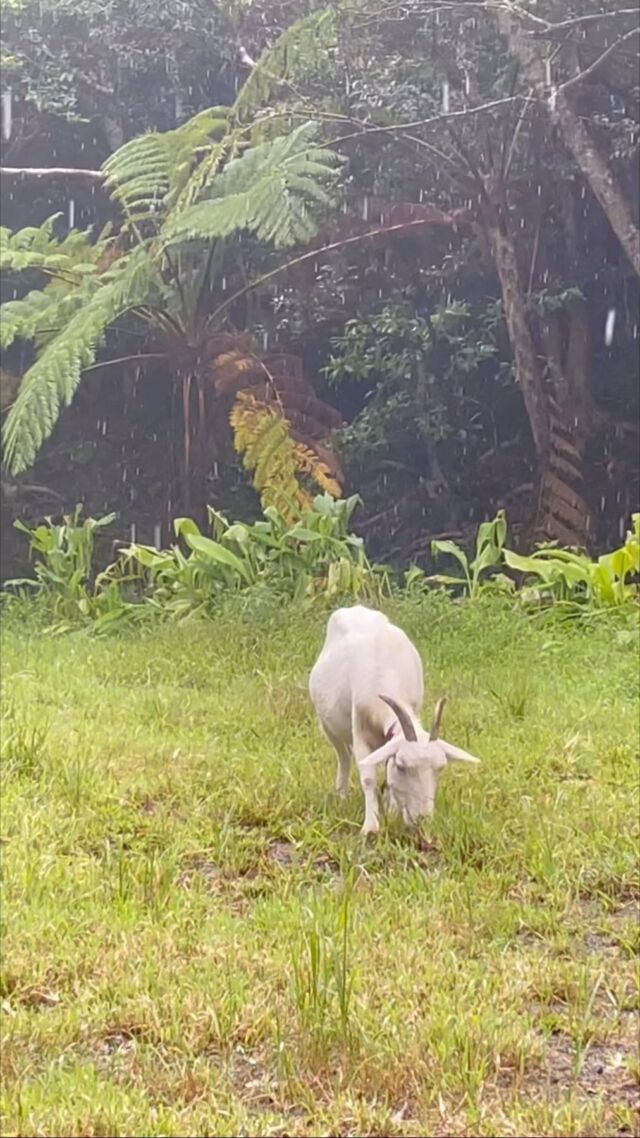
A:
(456, 754)
(380, 756)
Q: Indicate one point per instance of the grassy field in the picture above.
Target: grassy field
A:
(196, 941)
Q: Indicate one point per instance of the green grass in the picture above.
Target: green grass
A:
(196, 941)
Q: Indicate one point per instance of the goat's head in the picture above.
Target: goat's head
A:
(413, 763)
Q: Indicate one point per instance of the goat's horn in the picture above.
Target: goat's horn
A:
(408, 730)
(437, 719)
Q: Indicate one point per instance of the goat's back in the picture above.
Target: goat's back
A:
(364, 656)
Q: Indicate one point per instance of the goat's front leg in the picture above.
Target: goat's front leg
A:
(370, 791)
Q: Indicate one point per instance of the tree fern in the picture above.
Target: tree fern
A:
(276, 459)
(193, 183)
(51, 382)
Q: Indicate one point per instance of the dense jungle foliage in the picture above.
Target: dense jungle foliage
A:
(364, 248)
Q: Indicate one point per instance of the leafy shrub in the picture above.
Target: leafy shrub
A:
(572, 578)
(314, 556)
(63, 555)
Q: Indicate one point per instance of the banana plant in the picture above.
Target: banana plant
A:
(490, 540)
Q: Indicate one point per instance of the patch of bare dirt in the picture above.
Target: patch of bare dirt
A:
(286, 854)
(606, 1068)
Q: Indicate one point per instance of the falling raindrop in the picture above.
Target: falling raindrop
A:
(104, 426)
(133, 532)
(7, 114)
(265, 340)
(157, 535)
(72, 213)
(445, 97)
(609, 327)
(467, 83)
(365, 208)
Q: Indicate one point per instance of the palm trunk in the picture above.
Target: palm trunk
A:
(576, 137)
(198, 450)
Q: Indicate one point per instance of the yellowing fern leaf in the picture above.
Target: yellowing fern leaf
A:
(276, 460)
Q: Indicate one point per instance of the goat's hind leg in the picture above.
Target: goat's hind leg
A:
(343, 752)
(343, 755)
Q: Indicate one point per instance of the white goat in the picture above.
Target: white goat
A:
(367, 689)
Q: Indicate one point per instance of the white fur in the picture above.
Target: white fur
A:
(365, 657)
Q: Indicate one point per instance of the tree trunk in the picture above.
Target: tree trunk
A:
(494, 218)
(576, 138)
(597, 173)
(561, 513)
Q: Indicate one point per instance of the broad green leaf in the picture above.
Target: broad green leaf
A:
(453, 549)
(217, 553)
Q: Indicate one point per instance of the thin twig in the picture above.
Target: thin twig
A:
(443, 116)
(125, 360)
(514, 138)
(315, 254)
(596, 63)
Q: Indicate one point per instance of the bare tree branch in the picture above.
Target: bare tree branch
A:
(601, 58)
(52, 172)
(460, 217)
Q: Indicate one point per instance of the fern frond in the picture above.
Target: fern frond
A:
(262, 435)
(36, 248)
(147, 175)
(267, 191)
(51, 382)
(40, 313)
(299, 51)
(138, 175)
(309, 462)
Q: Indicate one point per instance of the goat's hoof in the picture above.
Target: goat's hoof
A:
(370, 831)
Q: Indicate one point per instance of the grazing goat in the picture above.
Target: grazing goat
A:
(367, 689)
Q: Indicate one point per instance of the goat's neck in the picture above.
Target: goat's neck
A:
(392, 728)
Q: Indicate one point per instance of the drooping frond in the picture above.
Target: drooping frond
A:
(262, 437)
(275, 450)
(148, 174)
(273, 190)
(297, 53)
(42, 314)
(310, 462)
(279, 381)
(51, 382)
